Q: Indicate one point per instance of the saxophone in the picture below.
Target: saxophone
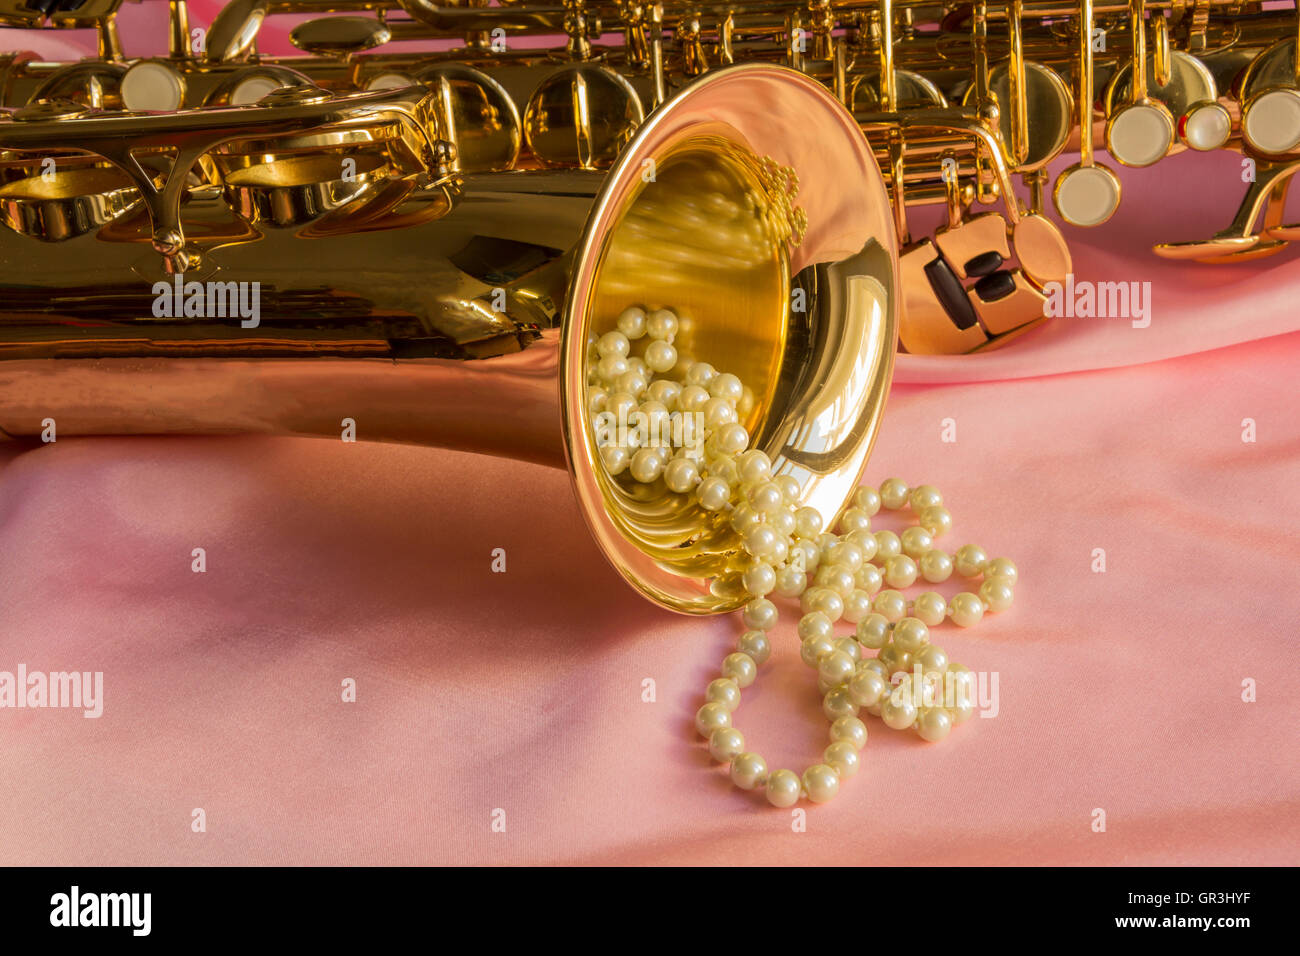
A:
(424, 243)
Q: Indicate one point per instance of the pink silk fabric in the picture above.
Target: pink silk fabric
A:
(520, 697)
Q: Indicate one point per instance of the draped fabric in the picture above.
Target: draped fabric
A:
(544, 714)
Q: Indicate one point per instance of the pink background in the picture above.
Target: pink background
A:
(522, 691)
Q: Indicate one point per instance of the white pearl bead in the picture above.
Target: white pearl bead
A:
(924, 496)
(867, 498)
(867, 688)
(845, 553)
(843, 758)
(693, 398)
(662, 324)
(790, 489)
(936, 520)
(713, 494)
(745, 519)
(894, 659)
(759, 580)
(725, 744)
(760, 614)
(837, 703)
(835, 668)
(701, 373)
(821, 783)
(869, 579)
(826, 601)
(783, 788)
(596, 399)
(876, 665)
(910, 635)
(970, 560)
(732, 439)
(782, 523)
(934, 724)
(815, 624)
(717, 413)
(893, 493)
(1003, 568)
(681, 475)
(632, 381)
(615, 459)
(765, 497)
(849, 729)
(613, 343)
(915, 542)
(864, 541)
(760, 541)
(665, 391)
(724, 691)
(748, 770)
(966, 609)
(890, 604)
(812, 554)
(887, 546)
(790, 582)
(724, 467)
(807, 523)
(756, 645)
(711, 717)
(727, 387)
(997, 594)
(857, 605)
(898, 712)
(837, 578)
(936, 566)
(631, 322)
(933, 658)
(848, 645)
(873, 631)
(814, 649)
(854, 519)
(611, 367)
(930, 607)
(660, 356)
(900, 571)
(754, 466)
(739, 668)
(646, 465)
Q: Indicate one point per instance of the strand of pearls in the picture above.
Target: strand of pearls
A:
(855, 575)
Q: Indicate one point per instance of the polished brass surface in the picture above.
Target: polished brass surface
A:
(430, 303)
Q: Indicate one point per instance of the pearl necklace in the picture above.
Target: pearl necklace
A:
(910, 682)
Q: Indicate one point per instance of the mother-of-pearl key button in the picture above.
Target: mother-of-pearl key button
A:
(1087, 195)
(1140, 134)
(152, 88)
(1272, 121)
(1205, 126)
